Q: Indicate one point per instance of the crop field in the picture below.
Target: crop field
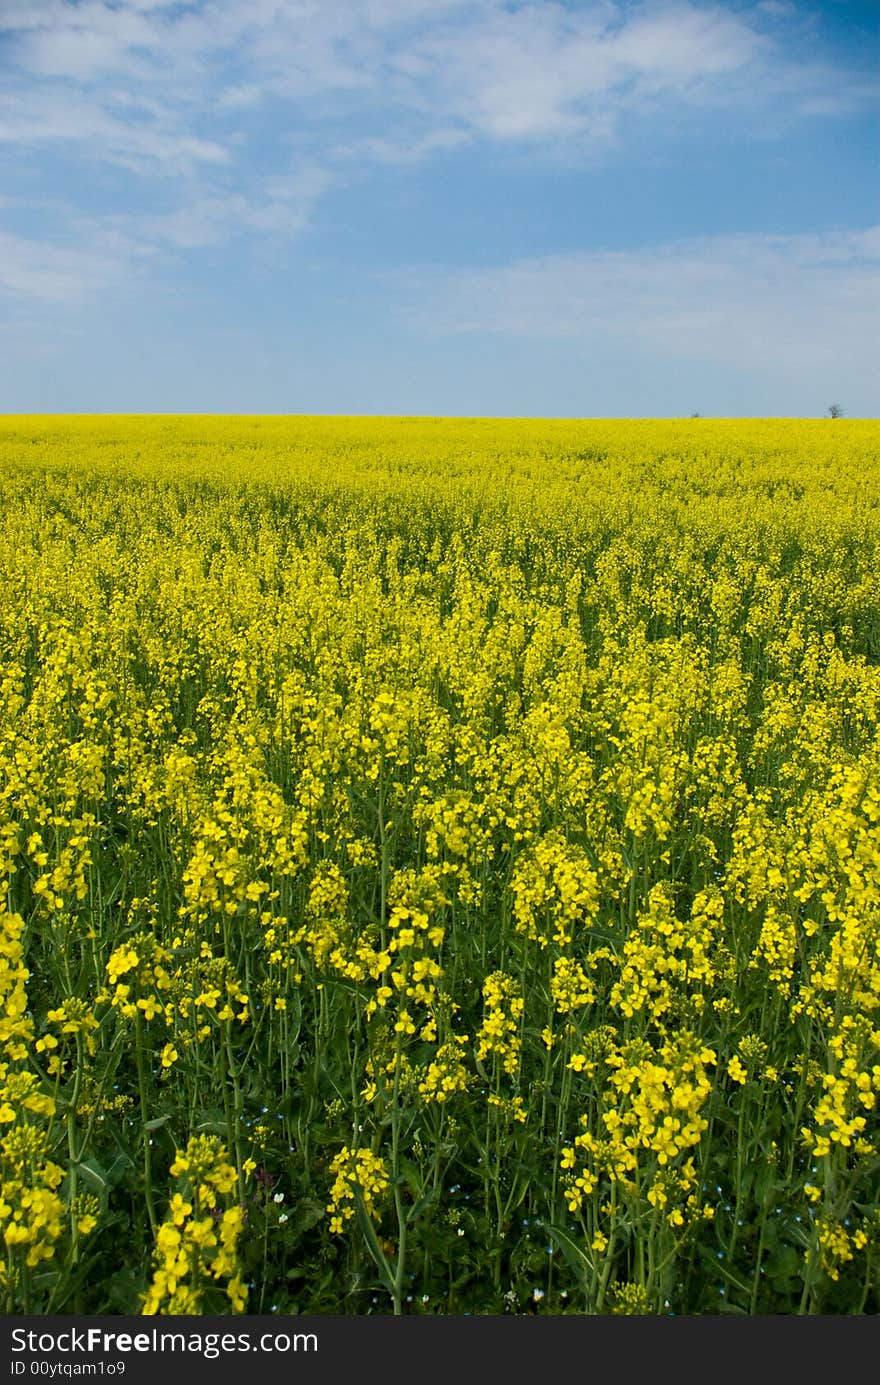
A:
(441, 866)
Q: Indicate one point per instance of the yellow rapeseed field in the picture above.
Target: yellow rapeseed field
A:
(441, 866)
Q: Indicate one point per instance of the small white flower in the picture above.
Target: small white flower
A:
(279, 1197)
(282, 1219)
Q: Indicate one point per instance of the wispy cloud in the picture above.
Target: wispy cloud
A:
(55, 273)
(206, 101)
(193, 123)
(540, 72)
(528, 70)
(81, 255)
(777, 304)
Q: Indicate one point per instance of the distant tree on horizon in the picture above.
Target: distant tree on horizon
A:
(835, 411)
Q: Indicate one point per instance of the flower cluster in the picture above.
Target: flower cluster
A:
(196, 1244)
(357, 1173)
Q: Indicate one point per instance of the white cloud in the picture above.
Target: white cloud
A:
(82, 256)
(118, 130)
(401, 148)
(538, 70)
(281, 206)
(203, 100)
(765, 303)
(543, 70)
(46, 272)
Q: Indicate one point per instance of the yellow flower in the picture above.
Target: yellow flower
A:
(736, 1071)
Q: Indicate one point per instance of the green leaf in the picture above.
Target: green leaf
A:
(308, 1214)
(785, 1264)
(94, 1175)
(412, 1177)
(373, 1246)
(117, 1170)
(579, 1262)
(420, 1205)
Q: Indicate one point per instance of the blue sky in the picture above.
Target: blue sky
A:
(506, 207)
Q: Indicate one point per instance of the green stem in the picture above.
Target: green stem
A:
(142, 1092)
